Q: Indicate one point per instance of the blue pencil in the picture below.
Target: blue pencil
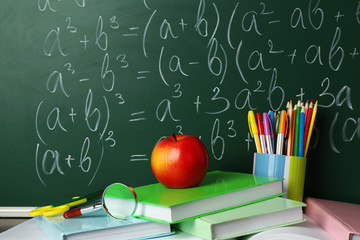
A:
(272, 120)
(301, 132)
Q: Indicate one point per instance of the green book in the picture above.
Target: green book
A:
(252, 218)
(218, 191)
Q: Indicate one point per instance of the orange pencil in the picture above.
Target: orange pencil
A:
(289, 112)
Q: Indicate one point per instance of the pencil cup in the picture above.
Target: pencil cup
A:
(290, 168)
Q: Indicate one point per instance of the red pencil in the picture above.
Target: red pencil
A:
(306, 108)
(308, 120)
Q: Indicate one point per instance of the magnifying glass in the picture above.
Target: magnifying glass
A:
(118, 200)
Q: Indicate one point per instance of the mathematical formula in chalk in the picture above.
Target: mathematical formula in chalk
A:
(139, 67)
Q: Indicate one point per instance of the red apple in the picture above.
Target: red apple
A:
(180, 161)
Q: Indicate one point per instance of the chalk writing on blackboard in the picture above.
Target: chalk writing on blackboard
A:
(241, 51)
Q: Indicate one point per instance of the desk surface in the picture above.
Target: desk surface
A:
(28, 230)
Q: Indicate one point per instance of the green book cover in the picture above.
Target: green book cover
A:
(240, 221)
(218, 191)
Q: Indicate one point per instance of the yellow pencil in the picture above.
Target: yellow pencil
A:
(310, 128)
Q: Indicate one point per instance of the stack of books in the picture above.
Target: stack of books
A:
(224, 205)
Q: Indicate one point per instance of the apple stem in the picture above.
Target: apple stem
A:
(174, 136)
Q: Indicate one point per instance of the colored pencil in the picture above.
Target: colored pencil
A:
(308, 120)
(289, 112)
(297, 129)
(301, 132)
(306, 107)
(293, 119)
(313, 115)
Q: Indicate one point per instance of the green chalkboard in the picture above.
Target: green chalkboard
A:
(87, 88)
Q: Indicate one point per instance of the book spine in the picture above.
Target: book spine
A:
(197, 227)
(327, 220)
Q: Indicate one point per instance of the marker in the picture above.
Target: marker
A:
(254, 130)
(268, 131)
(301, 133)
(261, 132)
(82, 211)
(311, 128)
(282, 132)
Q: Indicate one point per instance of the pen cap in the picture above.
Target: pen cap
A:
(268, 130)
(72, 213)
(283, 122)
(252, 123)
(259, 123)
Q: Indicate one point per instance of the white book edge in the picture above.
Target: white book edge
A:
(13, 212)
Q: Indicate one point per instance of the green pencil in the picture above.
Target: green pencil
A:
(297, 129)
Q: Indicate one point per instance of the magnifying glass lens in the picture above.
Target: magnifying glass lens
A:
(119, 201)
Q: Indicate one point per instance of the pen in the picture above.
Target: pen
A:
(82, 211)
(268, 131)
(301, 132)
(253, 130)
(311, 127)
(282, 132)
(261, 132)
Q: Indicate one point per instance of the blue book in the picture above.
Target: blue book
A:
(100, 226)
